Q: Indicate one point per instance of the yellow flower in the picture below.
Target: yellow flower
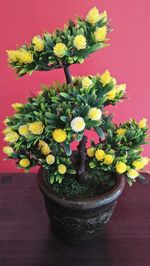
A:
(100, 155)
(111, 94)
(24, 130)
(132, 173)
(11, 137)
(45, 149)
(36, 127)
(94, 113)
(142, 123)
(103, 15)
(24, 57)
(50, 159)
(7, 130)
(121, 131)
(138, 164)
(41, 143)
(62, 169)
(60, 49)
(145, 160)
(78, 124)
(121, 167)
(105, 78)
(93, 16)
(91, 152)
(100, 34)
(108, 159)
(8, 150)
(86, 83)
(6, 121)
(17, 106)
(59, 135)
(38, 43)
(24, 163)
(11, 55)
(114, 81)
(121, 87)
(79, 42)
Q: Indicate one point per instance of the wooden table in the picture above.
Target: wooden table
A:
(26, 238)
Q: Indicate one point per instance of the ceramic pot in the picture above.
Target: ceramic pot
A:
(79, 221)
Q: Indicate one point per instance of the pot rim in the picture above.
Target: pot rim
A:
(87, 203)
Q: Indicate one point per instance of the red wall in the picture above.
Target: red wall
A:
(127, 58)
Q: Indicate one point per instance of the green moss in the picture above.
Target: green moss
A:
(97, 183)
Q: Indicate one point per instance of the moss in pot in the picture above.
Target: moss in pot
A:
(81, 186)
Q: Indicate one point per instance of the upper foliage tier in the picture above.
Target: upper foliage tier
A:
(64, 47)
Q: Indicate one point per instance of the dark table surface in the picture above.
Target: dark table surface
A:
(26, 238)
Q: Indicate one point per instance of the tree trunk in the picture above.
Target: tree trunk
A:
(81, 155)
(81, 161)
(67, 75)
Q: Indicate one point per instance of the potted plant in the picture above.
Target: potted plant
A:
(80, 186)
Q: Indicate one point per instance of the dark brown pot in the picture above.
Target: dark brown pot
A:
(79, 221)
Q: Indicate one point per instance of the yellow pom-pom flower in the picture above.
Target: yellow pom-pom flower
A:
(8, 150)
(121, 131)
(12, 56)
(24, 57)
(120, 88)
(94, 114)
(145, 160)
(100, 155)
(17, 106)
(7, 130)
(50, 159)
(93, 16)
(138, 164)
(142, 123)
(111, 94)
(100, 34)
(86, 83)
(38, 43)
(91, 152)
(36, 128)
(121, 167)
(108, 159)
(45, 149)
(11, 137)
(78, 124)
(79, 42)
(24, 130)
(62, 169)
(6, 121)
(60, 49)
(59, 135)
(105, 78)
(24, 162)
(132, 173)
(103, 15)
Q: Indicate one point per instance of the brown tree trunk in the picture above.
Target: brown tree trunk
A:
(81, 161)
(81, 154)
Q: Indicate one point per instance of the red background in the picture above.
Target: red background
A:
(127, 58)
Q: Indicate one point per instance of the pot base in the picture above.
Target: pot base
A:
(78, 229)
(79, 221)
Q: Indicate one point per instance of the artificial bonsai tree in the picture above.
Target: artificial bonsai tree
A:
(41, 131)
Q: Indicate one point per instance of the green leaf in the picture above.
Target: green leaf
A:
(63, 118)
(65, 95)
(71, 172)
(92, 165)
(100, 132)
(51, 179)
(50, 115)
(67, 149)
(93, 123)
